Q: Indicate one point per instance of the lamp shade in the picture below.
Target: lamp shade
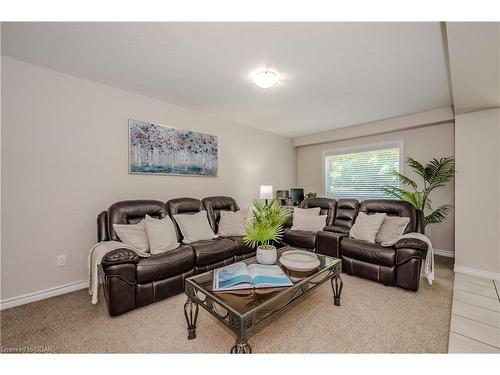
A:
(266, 192)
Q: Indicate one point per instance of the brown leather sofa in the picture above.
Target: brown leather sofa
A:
(398, 265)
(130, 281)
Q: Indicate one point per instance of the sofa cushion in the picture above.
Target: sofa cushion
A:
(300, 238)
(368, 252)
(366, 227)
(241, 246)
(168, 264)
(309, 223)
(212, 251)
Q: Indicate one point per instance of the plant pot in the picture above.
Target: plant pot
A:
(266, 254)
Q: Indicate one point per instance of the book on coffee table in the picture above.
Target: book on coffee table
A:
(252, 276)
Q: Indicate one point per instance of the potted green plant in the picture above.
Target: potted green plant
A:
(265, 228)
(435, 174)
(311, 194)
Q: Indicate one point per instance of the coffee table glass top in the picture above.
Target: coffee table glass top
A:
(248, 300)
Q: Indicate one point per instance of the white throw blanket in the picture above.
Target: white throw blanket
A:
(96, 254)
(429, 259)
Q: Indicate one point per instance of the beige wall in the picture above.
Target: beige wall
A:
(64, 159)
(422, 144)
(477, 189)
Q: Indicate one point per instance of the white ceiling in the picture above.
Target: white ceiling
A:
(334, 74)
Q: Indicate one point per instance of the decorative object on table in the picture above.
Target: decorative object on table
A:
(296, 195)
(240, 275)
(311, 194)
(299, 260)
(163, 150)
(435, 174)
(265, 228)
(266, 192)
(282, 196)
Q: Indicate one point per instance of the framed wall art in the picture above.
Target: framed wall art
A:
(164, 150)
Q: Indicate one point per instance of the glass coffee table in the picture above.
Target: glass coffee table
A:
(243, 311)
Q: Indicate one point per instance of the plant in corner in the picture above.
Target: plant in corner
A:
(265, 228)
(435, 174)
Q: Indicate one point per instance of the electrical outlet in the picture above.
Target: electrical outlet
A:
(61, 260)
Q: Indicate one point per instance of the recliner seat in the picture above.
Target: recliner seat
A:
(213, 206)
(208, 254)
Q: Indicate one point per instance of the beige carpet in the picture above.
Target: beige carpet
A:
(372, 319)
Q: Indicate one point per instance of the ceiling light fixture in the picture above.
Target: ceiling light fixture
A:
(265, 79)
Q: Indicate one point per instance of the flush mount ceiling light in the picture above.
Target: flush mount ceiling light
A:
(265, 79)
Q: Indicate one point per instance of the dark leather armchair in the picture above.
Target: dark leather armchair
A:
(213, 206)
(322, 242)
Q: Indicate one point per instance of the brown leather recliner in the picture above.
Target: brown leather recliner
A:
(213, 206)
(209, 254)
(398, 265)
(322, 242)
(129, 281)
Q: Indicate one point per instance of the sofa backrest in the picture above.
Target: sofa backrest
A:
(214, 205)
(183, 206)
(391, 207)
(347, 211)
(327, 205)
(132, 212)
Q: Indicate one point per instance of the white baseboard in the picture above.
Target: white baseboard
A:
(444, 253)
(477, 272)
(43, 294)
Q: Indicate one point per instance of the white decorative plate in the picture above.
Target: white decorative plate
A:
(299, 260)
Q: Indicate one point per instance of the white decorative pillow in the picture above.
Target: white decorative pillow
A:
(161, 234)
(308, 222)
(366, 226)
(233, 223)
(307, 211)
(195, 227)
(133, 235)
(392, 228)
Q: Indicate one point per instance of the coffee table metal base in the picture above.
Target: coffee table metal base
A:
(241, 346)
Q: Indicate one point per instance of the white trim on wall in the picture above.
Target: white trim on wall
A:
(444, 253)
(477, 272)
(43, 294)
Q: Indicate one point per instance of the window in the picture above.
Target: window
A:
(361, 172)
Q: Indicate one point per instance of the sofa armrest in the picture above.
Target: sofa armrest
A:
(119, 256)
(411, 243)
(328, 243)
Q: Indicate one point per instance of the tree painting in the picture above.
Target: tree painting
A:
(158, 149)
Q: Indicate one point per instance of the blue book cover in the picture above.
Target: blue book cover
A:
(242, 276)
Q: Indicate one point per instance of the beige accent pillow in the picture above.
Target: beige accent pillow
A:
(233, 223)
(195, 227)
(307, 211)
(161, 234)
(392, 228)
(366, 226)
(308, 222)
(134, 235)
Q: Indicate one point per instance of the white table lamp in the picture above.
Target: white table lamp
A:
(266, 192)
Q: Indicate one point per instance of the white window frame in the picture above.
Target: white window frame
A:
(398, 143)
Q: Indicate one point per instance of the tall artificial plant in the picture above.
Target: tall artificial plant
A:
(267, 224)
(435, 174)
